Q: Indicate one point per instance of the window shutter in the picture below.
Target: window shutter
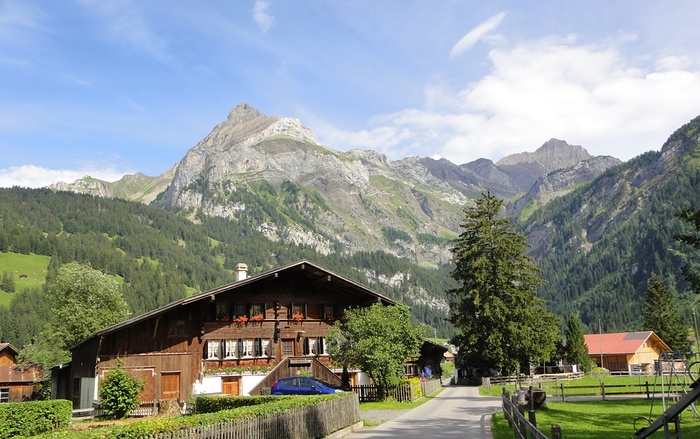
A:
(306, 345)
(264, 310)
(240, 347)
(306, 313)
(321, 349)
(291, 310)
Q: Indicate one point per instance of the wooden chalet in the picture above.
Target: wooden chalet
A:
(235, 339)
(17, 383)
(626, 352)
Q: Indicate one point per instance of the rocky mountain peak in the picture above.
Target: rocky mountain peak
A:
(553, 154)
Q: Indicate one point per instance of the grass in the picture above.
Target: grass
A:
(598, 419)
(553, 389)
(33, 266)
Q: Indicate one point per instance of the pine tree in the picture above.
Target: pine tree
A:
(661, 315)
(576, 348)
(501, 323)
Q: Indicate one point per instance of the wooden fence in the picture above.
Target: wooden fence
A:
(306, 422)
(400, 392)
(523, 427)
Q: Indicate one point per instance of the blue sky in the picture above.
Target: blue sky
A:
(112, 87)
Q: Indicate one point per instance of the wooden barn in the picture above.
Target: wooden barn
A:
(17, 383)
(235, 339)
(626, 352)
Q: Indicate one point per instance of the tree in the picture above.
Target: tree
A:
(119, 392)
(378, 339)
(576, 348)
(692, 238)
(83, 301)
(662, 316)
(501, 324)
(7, 283)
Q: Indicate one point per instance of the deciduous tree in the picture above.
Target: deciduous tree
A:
(502, 324)
(378, 339)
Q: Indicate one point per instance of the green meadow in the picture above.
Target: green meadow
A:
(28, 271)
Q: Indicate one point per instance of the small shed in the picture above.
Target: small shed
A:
(626, 352)
(17, 383)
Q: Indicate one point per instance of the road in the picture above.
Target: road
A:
(457, 412)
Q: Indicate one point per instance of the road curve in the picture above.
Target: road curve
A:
(457, 412)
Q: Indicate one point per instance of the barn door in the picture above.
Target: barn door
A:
(170, 385)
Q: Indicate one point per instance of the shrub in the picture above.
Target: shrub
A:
(119, 392)
(35, 417)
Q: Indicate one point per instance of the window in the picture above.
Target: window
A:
(257, 309)
(176, 328)
(328, 312)
(287, 347)
(266, 348)
(4, 394)
(245, 348)
(223, 311)
(240, 310)
(213, 349)
(229, 348)
(298, 309)
(314, 346)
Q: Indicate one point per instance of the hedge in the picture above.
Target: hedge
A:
(263, 405)
(33, 417)
(212, 404)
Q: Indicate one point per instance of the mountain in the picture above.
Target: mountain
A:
(135, 187)
(335, 201)
(598, 228)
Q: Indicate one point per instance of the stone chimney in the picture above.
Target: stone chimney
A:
(241, 271)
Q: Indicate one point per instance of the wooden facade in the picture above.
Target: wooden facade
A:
(17, 383)
(225, 340)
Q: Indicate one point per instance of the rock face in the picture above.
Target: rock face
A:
(272, 171)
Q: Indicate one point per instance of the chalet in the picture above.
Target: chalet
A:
(17, 383)
(626, 352)
(234, 339)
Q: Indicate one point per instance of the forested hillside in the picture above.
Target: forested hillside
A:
(599, 245)
(159, 256)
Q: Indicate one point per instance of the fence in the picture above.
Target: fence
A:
(524, 427)
(313, 421)
(400, 392)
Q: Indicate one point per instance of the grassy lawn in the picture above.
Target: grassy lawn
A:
(635, 383)
(598, 419)
(33, 266)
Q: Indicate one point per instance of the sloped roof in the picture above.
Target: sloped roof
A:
(310, 269)
(9, 347)
(621, 343)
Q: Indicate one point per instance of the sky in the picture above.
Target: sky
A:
(106, 88)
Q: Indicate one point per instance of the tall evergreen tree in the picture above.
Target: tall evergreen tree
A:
(501, 323)
(661, 315)
(576, 348)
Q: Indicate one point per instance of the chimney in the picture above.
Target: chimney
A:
(241, 271)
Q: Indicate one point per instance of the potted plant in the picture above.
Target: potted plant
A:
(297, 317)
(241, 320)
(257, 318)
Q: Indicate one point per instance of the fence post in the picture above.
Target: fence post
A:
(602, 389)
(556, 432)
(562, 392)
(646, 383)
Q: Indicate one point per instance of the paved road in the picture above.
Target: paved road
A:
(457, 412)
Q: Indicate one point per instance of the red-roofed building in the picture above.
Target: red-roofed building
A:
(626, 352)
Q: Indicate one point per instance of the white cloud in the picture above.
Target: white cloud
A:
(261, 16)
(32, 176)
(588, 95)
(474, 35)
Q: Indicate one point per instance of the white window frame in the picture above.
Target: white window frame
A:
(230, 348)
(213, 349)
(311, 342)
(247, 347)
(266, 347)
